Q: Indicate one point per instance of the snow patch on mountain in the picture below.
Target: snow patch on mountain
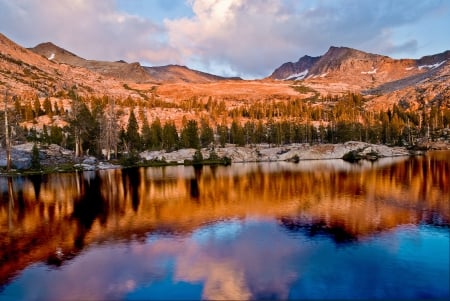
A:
(373, 71)
(298, 76)
(51, 57)
(431, 66)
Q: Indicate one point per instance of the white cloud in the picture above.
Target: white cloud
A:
(92, 29)
(254, 37)
(229, 37)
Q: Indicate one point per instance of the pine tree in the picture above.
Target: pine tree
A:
(48, 107)
(146, 134)
(250, 132)
(206, 133)
(45, 139)
(28, 112)
(237, 134)
(84, 128)
(222, 132)
(109, 133)
(132, 134)
(35, 160)
(170, 136)
(156, 133)
(261, 133)
(37, 107)
(18, 109)
(189, 135)
(56, 135)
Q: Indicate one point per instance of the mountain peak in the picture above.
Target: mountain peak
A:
(295, 70)
(339, 53)
(56, 53)
(47, 45)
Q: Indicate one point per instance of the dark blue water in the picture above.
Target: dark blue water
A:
(249, 259)
(264, 235)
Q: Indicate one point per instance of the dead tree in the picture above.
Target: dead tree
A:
(7, 135)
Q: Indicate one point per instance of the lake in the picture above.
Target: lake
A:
(275, 230)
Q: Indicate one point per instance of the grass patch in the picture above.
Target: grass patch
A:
(157, 163)
(141, 93)
(62, 168)
(302, 89)
(222, 161)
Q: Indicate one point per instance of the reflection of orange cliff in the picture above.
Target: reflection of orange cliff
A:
(56, 216)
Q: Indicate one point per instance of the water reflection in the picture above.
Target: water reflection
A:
(248, 259)
(142, 221)
(311, 228)
(131, 182)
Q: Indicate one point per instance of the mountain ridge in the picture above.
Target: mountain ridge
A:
(342, 59)
(122, 70)
(51, 71)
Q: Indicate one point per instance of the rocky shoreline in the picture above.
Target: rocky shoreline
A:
(55, 158)
(265, 153)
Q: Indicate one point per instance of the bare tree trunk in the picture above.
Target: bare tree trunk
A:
(78, 146)
(109, 129)
(77, 133)
(110, 132)
(7, 137)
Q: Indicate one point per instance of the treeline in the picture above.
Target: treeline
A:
(93, 128)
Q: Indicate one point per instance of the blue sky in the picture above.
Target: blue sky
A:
(157, 10)
(247, 38)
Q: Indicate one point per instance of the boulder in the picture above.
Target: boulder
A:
(17, 163)
(21, 163)
(90, 161)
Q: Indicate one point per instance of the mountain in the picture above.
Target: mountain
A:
(23, 72)
(122, 70)
(119, 70)
(430, 88)
(176, 73)
(357, 68)
(295, 70)
(48, 70)
(383, 80)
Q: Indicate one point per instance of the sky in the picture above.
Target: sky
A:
(246, 38)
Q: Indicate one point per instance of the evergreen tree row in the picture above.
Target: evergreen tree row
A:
(93, 127)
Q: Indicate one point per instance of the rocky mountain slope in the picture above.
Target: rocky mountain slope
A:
(297, 70)
(25, 73)
(177, 73)
(119, 70)
(122, 70)
(48, 70)
(384, 81)
(427, 89)
(355, 67)
(358, 66)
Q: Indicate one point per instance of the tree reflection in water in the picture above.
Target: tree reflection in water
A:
(53, 218)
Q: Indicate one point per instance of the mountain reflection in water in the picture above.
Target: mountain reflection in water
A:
(206, 217)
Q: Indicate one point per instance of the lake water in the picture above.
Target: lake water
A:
(316, 229)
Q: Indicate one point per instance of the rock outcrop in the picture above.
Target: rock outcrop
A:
(264, 152)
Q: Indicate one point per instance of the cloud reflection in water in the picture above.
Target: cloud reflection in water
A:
(251, 259)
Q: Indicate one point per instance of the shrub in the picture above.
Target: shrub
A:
(197, 157)
(352, 156)
(129, 160)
